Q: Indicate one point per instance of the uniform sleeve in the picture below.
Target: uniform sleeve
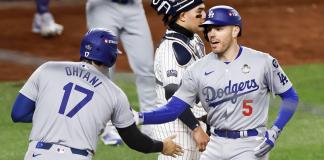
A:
(189, 87)
(275, 78)
(122, 115)
(167, 69)
(31, 87)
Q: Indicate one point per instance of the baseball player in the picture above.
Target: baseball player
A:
(179, 48)
(127, 20)
(43, 22)
(233, 84)
(69, 104)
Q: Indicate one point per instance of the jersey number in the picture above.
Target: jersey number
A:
(67, 91)
(247, 108)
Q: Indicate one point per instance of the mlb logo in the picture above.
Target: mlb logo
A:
(88, 47)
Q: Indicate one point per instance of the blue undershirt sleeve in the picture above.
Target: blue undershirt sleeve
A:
(23, 109)
(166, 113)
(287, 108)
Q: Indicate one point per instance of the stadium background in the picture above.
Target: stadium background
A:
(290, 30)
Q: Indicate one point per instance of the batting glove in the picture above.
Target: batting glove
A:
(268, 143)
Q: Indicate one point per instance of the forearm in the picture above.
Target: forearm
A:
(189, 119)
(138, 141)
(287, 108)
(166, 113)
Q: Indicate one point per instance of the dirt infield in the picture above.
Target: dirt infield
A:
(291, 31)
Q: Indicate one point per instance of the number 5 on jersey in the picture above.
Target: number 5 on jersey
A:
(247, 107)
(67, 92)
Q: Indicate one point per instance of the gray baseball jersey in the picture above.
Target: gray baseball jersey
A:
(168, 70)
(74, 101)
(235, 95)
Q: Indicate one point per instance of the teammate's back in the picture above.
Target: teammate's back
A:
(63, 107)
(69, 104)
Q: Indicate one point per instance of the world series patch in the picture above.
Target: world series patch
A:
(172, 72)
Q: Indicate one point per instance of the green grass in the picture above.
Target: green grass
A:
(302, 139)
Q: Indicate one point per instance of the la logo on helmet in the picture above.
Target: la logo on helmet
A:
(210, 14)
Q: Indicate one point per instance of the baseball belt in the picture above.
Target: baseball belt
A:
(234, 134)
(47, 146)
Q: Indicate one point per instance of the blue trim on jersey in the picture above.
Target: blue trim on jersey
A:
(166, 113)
(23, 109)
(238, 55)
(287, 108)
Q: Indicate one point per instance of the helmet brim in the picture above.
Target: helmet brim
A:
(214, 23)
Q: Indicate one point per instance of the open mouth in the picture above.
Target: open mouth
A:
(214, 42)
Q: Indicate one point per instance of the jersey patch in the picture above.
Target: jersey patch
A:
(275, 63)
(172, 72)
(246, 69)
(182, 55)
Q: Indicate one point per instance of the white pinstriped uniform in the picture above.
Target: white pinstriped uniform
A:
(169, 71)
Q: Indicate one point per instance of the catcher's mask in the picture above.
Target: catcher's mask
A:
(179, 6)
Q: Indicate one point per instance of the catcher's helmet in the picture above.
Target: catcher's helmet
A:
(179, 6)
(99, 44)
(222, 16)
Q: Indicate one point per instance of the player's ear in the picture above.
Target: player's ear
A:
(236, 31)
(182, 17)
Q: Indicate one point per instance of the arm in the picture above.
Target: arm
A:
(166, 113)
(23, 109)
(138, 141)
(287, 109)
(187, 117)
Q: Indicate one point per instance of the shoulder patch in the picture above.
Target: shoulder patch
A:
(275, 63)
(181, 53)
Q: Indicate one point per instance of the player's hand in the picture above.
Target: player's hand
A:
(201, 138)
(268, 143)
(170, 148)
(163, 6)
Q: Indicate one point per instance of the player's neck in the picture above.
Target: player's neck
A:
(230, 54)
(103, 69)
(181, 29)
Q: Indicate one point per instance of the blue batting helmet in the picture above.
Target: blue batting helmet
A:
(222, 16)
(99, 44)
